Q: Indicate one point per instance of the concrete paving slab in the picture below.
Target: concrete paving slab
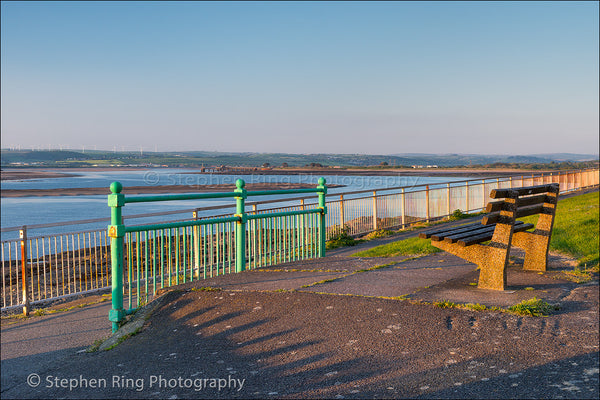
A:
(335, 263)
(263, 280)
(399, 279)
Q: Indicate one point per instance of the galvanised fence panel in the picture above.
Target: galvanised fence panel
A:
(50, 267)
(458, 198)
(389, 211)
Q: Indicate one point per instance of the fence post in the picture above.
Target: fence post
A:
(374, 210)
(403, 208)
(448, 199)
(511, 182)
(302, 204)
(483, 193)
(240, 227)
(467, 196)
(342, 222)
(23, 237)
(322, 233)
(116, 232)
(427, 203)
(196, 246)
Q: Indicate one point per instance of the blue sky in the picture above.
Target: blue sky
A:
(302, 77)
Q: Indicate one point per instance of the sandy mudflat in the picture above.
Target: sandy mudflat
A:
(12, 175)
(166, 189)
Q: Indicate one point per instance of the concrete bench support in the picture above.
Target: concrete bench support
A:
(492, 258)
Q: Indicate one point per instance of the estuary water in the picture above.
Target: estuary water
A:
(21, 211)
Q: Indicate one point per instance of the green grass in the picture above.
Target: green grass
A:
(408, 247)
(342, 239)
(575, 231)
(532, 307)
(380, 233)
(206, 289)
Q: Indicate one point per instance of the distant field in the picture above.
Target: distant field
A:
(73, 158)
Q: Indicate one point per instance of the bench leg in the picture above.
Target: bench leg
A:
(492, 273)
(536, 250)
(492, 262)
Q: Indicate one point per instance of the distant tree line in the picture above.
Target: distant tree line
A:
(554, 165)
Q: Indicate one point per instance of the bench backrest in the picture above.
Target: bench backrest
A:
(521, 202)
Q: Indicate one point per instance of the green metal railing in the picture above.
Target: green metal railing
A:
(146, 258)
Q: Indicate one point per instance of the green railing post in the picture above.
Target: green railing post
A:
(116, 231)
(322, 232)
(240, 227)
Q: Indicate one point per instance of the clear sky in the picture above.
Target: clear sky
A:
(302, 77)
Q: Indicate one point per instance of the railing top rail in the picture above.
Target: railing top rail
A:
(182, 224)
(54, 235)
(198, 196)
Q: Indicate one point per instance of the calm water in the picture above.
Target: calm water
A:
(42, 210)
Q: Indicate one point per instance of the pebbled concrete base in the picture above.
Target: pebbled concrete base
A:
(131, 327)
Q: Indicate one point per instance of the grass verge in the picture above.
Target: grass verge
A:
(532, 307)
(576, 227)
(408, 247)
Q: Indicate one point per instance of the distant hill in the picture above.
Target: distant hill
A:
(71, 158)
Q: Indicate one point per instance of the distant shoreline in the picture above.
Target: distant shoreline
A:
(164, 189)
(9, 174)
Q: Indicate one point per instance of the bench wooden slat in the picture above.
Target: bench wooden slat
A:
(494, 206)
(484, 237)
(490, 219)
(427, 235)
(463, 229)
(456, 237)
(539, 199)
(485, 229)
(502, 193)
(522, 227)
(442, 236)
(532, 210)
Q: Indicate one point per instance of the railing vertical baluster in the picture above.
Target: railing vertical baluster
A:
(448, 199)
(427, 203)
(23, 237)
(374, 210)
(403, 205)
(342, 222)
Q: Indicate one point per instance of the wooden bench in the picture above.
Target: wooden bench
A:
(502, 229)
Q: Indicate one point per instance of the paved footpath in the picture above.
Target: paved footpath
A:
(336, 327)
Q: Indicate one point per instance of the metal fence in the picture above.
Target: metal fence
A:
(176, 252)
(66, 264)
